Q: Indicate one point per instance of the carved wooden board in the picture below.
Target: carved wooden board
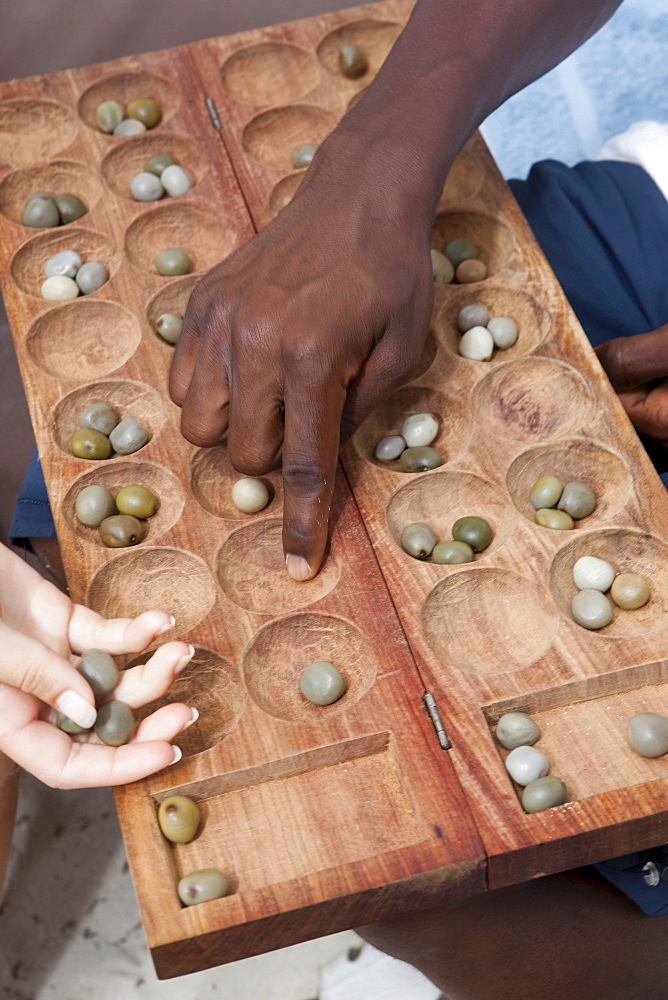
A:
(329, 818)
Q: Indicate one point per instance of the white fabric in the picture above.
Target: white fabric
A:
(374, 976)
(644, 143)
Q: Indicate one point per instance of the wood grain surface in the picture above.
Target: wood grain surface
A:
(329, 818)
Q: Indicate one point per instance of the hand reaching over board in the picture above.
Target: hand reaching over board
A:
(638, 369)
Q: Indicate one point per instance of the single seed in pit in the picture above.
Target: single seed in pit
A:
(545, 492)
(591, 609)
(129, 126)
(420, 429)
(441, 268)
(420, 459)
(176, 180)
(516, 729)
(460, 249)
(558, 520)
(353, 63)
(526, 764)
(250, 495)
(630, 591)
(578, 500)
(120, 531)
(66, 262)
(108, 115)
(90, 444)
(115, 723)
(178, 818)
(99, 416)
(91, 276)
(40, 212)
(322, 684)
(302, 155)
(138, 501)
(475, 531)
(146, 186)
(157, 163)
(169, 326)
(470, 271)
(477, 344)
(172, 261)
(504, 331)
(592, 573)
(472, 315)
(418, 540)
(70, 207)
(544, 793)
(647, 733)
(390, 448)
(145, 110)
(128, 436)
(202, 886)
(100, 670)
(452, 553)
(59, 288)
(93, 504)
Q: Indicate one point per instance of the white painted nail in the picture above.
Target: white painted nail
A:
(166, 628)
(195, 717)
(76, 708)
(185, 660)
(178, 754)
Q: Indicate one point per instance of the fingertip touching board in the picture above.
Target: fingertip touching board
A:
(323, 818)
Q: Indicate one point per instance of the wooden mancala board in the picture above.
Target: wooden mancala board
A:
(330, 818)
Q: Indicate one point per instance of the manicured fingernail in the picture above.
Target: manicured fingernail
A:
(195, 717)
(166, 628)
(298, 568)
(76, 708)
(185, 660)
(178, 754)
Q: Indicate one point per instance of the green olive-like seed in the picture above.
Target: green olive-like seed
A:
(115, 723)
(90, 444)
(546, 492)
(630, 591)
(100, 670)
(145, 110)
(179, 818)
(93, 504)
(475, 531)
(418, 540)
(322, 684)
(559, 520)
(420, 459)
(460, 249)
(159, 162)
(169, 326)
(202, 886)
(137, 501)
(452, 553)
(352, 61)
(99, 416)
(544, 793)
(172, 261)
(121, 530)
(70, 208)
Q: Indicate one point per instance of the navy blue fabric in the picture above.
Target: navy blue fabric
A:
(32, 514)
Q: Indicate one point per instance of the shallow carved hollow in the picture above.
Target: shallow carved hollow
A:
(464, 180)
(127, 160)
(283, 192)
(32, 130)
(27, 266)
(204, 235)
(129, 399)
(212, 478)
(125, 87)
(374, 37)
(281, 651)
(173, 298)
(60, 177)
(533, 321)
(271, 137)
(628, 551)
(489, 233)
(270, 73)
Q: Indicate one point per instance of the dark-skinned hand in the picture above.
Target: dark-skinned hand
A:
(638, 369)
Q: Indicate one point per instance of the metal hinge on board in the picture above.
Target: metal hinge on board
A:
(213, 113)
(436, 721)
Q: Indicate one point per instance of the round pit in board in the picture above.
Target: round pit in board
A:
(270, 73)
(271, 137)
(370, 36)
(477, 245)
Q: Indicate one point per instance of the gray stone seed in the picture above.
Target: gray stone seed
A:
(577, 499)
(591, 609)
(418, 540)
(322, 684)
(93, 504)
(390, 448)
(516, 729)
(66, 262)
(100, 670)
(647, 733)
(302, 155)
(420, 459)
(99, 416)
(115, 723)
(128, 436)
(544, 793)
(146, 186)
(129, 126)
(91, 276)
(503, 330)
(169, 327)
(41, 212)
(202, 886)
(472, 315)
(172, 261)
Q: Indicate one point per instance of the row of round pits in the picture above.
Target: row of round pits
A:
(28, 266)
(491, 237)
(83, 339)
(532, 320)
(161, 483)
(128, 90)
(443, 498)
(57, 178)
(203, 236)
(32, 130)
(126, 398)
(124, 162)
(212, 479)
(271, 72)
(629, 552)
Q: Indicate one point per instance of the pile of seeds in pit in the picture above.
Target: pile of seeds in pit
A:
(470, 534)
(482, 334)
(140, 114)
(67, 276)
(412, 446)
(43, 210)
(559, 506)
(458, 263)
(161, 175)
(102, 433)
(595, 578)
(119, 519)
